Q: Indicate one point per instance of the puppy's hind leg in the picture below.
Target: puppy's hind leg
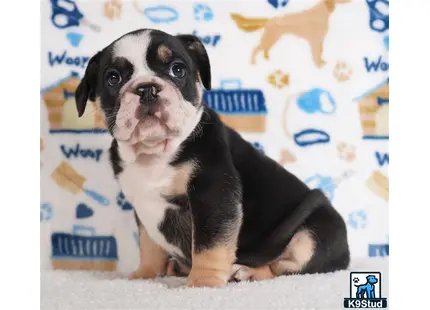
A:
(297, 254)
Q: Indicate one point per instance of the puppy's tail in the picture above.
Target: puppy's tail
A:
(249, 24)
(273, 246)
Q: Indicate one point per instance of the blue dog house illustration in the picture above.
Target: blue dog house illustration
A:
(242, 109)
(84, 252)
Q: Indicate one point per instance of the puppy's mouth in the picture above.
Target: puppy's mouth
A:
(143, 117)
(152, 116)
(149, 130)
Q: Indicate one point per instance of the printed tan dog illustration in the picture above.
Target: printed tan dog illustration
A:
(311, 24)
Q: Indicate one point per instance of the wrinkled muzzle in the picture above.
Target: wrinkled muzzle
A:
(152, 111)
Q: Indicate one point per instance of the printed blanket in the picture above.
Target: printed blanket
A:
(305, 81)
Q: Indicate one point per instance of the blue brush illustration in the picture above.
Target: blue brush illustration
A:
(70, 180)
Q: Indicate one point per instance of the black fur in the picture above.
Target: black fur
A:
(176, 228)
(275, 205)
(114, 158)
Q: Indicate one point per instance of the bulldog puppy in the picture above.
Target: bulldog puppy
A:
(202, 195)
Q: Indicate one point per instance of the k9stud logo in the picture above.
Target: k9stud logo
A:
(365, 291)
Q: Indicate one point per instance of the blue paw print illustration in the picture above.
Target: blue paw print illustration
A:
(83, 211)
(202, 12)
(46, 212)
(74, 38)
(123, 203)
(278, 3)
(258, 146)
(357, 219)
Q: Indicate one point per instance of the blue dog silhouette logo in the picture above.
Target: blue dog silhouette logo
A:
(365, 291)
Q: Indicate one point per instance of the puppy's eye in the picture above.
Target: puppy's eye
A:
(177, 70)
(113, 77)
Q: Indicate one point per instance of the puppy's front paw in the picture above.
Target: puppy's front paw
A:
(244, 273)
(240, 273)
(142, 273)
(206, 278)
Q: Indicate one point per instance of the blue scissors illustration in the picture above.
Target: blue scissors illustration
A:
(65, 14)
(379, 21)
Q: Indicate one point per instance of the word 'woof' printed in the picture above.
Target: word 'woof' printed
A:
(208, 39)
(376, 65)
(379, 250)
(382, 158)
(77, 151)
(56, 59)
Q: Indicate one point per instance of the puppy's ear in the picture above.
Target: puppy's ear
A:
(200, 57)
(87, 87)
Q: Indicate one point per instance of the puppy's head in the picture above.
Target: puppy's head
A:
(149, 84)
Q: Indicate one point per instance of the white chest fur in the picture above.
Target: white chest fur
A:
(145, 185)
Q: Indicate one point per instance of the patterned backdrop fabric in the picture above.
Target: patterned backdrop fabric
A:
(305, 81)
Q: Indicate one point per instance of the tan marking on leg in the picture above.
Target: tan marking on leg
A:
(164, 53)
(297, 254)
(179, 184)
(152, 258)
(262, 273)
(212, 267)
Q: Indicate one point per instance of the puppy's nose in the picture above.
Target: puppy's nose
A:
(147, 92)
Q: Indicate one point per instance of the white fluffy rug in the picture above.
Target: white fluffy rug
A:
(90, 290)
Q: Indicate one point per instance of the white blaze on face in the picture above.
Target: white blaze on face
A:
(174, 119)
(134, 47)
